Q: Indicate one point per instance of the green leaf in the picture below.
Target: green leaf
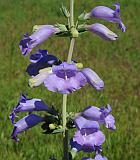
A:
(65, 11)
(60, 130)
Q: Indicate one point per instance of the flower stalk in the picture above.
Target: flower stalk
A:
(64, 107)
(72, 13)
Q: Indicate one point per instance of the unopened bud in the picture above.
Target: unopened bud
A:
(79, 65)
(52, 126)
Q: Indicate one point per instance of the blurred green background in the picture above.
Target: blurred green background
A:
(117, 63)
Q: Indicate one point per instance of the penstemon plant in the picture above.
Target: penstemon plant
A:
(67, 77)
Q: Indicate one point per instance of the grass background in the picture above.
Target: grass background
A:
(118, 63)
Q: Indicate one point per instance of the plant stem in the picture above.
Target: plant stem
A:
(64, 112)
(71, 50)
(72, 13)
(64, 107)
(65, 133)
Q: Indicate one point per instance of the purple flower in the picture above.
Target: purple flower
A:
(110, 122)
(38, 37)
(93, 79)
(108, 14)
(86, 158)
(29, 105)
(24, 124)
(41, 60)
(101, 115)
(69, 78)
(86, 126)
(87, 142)
(34, 58)
(102, 31)
(99, 157)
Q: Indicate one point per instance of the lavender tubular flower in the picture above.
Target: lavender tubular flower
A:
(87, 142)
(69, 77)
(38, 37)
(108, 14)
(29, 105)
(40, 78)
(41, 60)
(110, 122)
(34, 58)
(93, 79)
(102, 31)
(101, 115)
(97, 157)
(86, 126)
(24, 124)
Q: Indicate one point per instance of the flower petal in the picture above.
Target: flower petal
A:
(29, 105)
(102, 31)
(93, 78)
(44, 62)
(88, 142)
(103, 12)
(92, 113)
(99, 157)
(65, 86)
(38, 37)
(86, 158)
(38, 55)
(24, 124)
(82, 123)
(110, 122)
(38, 79)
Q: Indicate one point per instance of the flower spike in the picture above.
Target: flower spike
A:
(102, 116)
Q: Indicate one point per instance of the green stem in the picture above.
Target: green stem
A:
(64, 107)
(72, 13)
(64, 112)
(71, 50)
(65, 133)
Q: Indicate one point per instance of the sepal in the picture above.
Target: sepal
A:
(82, 28)
(82, 16)
(59, 130)
(63, 30)
(73, 152)
(61, 27)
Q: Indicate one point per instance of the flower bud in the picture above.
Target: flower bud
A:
(102, 31)
(52, 126)
(79, 65)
